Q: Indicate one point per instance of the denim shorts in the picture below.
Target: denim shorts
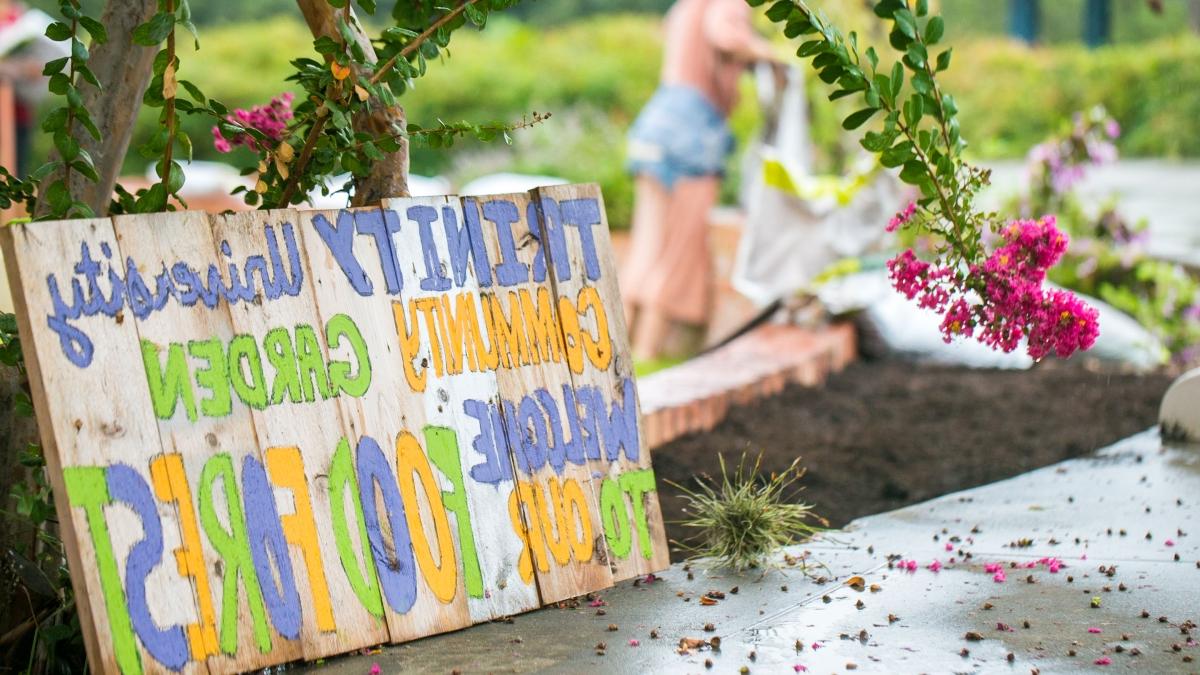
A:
(678, 134)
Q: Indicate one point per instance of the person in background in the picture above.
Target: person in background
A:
(678, 147)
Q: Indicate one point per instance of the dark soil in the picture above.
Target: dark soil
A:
(884, 434)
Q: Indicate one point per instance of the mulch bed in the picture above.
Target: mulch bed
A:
(884, 434)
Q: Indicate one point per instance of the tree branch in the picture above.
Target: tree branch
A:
(389, 177)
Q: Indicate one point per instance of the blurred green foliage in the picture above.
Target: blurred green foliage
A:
(594, 75)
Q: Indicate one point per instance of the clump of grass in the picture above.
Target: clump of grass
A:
(743, 520)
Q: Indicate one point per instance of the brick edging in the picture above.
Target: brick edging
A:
(697, 394)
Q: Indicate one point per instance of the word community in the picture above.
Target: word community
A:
(345, 428)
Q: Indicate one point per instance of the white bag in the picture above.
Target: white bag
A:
(798, 225)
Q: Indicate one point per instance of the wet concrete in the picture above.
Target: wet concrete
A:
(1071, 620)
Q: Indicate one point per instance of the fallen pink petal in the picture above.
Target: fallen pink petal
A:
(799, 668)
(375, 670)
(633, 642)
(1093, 629)
(1102, 661)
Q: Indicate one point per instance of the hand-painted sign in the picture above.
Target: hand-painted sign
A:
(289, 434)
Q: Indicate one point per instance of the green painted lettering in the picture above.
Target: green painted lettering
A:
(170, 384)
(234, 548)
(442, 447)
(342, 326)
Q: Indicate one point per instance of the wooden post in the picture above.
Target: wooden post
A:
(1023, 20)
(1097, 23)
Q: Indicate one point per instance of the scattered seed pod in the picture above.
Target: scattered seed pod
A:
(1145, 614)
(600, 646)
(892, 618)
(860, 604)
(733, 591)
(1011, 657)
(708, 628)
(612, 628)
(988, 605)
(850, 665)
(973, 636)
(1025, 623)
(708, 663)
(965, 652)
(753, 656)
(1070, 652)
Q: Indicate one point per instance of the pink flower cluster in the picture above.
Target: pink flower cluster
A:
(902, 217)
(270, 119)
(1002, 301)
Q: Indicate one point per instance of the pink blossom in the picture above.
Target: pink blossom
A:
(271, 120)
(1169, 542)
(799, 668)
(596, 602)
(993, 567)
(633, 642)
(902, 217)
(375, 669)
(949, 546)
(1093, 630)
(935, 566)
(999, 577)
(1102, 661)
(1083, 557)
(817, 645)
(650, 578)
(1001, 301)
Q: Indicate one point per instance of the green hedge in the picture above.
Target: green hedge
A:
(594, 75)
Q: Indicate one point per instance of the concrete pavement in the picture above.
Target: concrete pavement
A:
(1110, 526)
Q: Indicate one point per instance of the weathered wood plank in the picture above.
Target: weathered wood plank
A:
(574, 227)
(451, 390)
(98, 435)
(556, 495)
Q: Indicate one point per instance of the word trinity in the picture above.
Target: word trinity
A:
(285, 435)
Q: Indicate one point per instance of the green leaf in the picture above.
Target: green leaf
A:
(906, 23)
(897, 81)
(934, 30)
(913, 172)
(873, 58)
(58, 197)
(54, 67)
(326, 45)
(68, 147)
(95, 29)
(922, 7)
(88, 76)
(921, 82)
(59, 32)
(917, 56)
(155, 30)
(811, 47)
(858, 119)
(59, 83)
(897, 155)
(193, 91)
(943, 60)
(780, 10)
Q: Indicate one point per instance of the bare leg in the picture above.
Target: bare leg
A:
(645, 246)
(678, 286)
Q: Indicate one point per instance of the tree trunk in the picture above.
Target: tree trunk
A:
(389, 177)
(1194, 15)
(124, 70)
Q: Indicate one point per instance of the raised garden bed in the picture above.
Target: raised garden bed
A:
(883, 434)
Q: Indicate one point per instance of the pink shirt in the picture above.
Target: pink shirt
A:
(701, 38)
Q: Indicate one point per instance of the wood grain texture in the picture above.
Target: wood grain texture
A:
(611, 381)
(566, 537)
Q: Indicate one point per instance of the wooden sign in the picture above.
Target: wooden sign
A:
(290, 434)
